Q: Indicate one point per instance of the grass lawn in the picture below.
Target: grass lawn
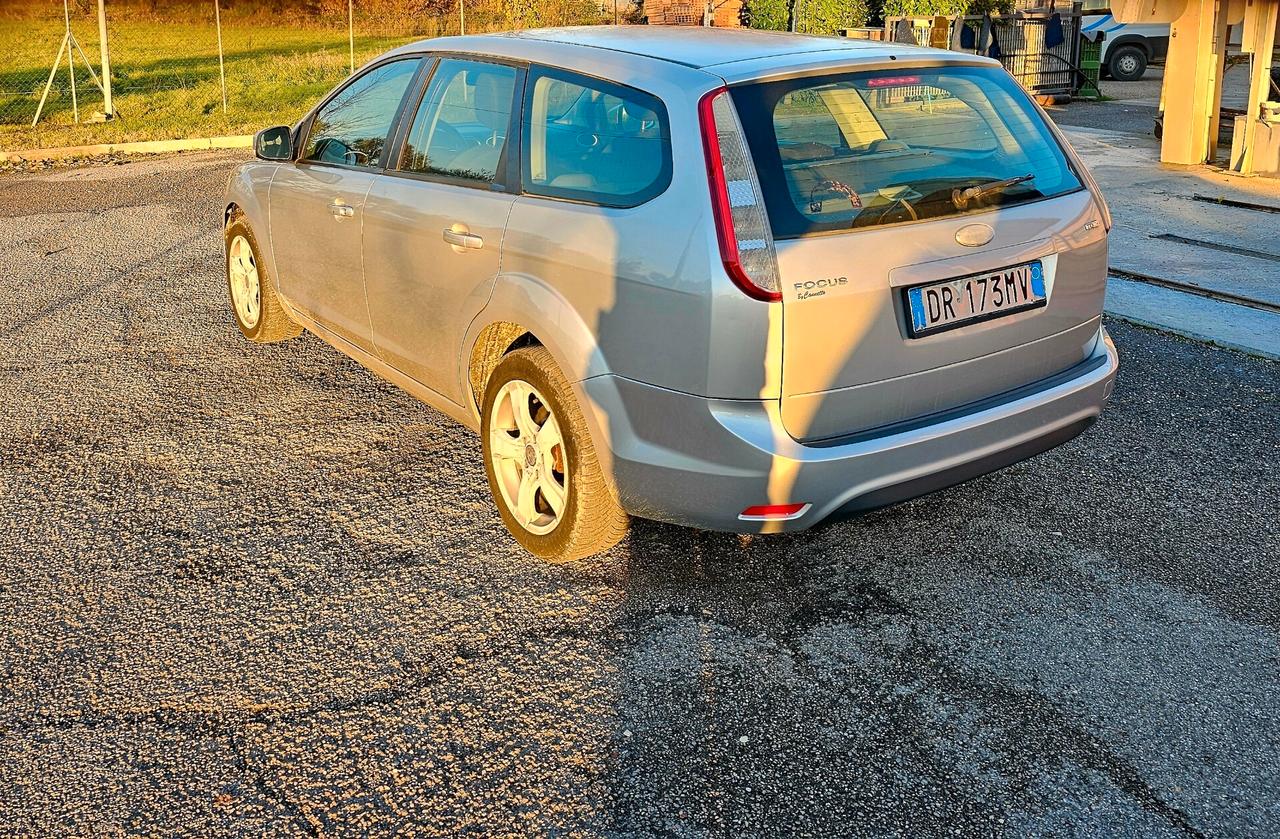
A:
(165, 79)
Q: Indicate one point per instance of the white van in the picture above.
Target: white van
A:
(1128, 47)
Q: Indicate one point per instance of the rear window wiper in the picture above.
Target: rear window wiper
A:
(962, 197)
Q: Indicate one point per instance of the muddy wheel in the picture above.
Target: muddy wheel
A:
(257, 309)
(541, 463)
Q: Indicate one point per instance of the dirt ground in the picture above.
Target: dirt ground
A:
(255, 590)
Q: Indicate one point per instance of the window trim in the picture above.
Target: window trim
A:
(304, 127)
(506, 179)
(586, 197)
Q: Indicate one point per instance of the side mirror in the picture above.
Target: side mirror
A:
(274, 143)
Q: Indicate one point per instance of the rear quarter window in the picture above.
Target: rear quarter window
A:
(864, 149)
(593, 141)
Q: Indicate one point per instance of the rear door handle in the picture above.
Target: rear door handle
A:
(463, 240)
(340, 210)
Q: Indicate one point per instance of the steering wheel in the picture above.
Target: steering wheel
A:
(446, 138)
(899, 201)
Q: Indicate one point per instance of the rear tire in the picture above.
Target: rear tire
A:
(257, 309)
(1127, 63)
(541, 459)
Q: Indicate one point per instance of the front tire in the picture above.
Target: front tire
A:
(1127, 63)
(258, 311)
(541, 464)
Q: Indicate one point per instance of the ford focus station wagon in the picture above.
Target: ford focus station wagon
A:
(732, 280)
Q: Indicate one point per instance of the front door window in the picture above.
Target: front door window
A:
(351, 129)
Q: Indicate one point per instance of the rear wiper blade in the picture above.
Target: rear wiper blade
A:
(962, 197)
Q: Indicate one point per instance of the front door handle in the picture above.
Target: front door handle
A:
(463, 240)
(341, 210)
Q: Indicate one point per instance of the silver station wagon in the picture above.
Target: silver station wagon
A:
(734, 280)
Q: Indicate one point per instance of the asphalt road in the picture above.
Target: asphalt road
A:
(1130, 107)
(254, 590)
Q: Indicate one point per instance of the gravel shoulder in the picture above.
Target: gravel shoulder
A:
(251, 590)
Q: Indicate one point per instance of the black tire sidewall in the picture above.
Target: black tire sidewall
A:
(519, 366)
(1121, 51)
(240, 227)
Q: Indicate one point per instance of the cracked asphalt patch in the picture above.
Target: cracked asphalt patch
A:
(251, 590)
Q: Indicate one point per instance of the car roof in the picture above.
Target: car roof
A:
(702, 47)
(732, 54)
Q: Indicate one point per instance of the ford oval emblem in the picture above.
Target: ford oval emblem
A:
(974, 235)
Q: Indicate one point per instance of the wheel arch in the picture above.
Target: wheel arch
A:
(491, 345)
(246, 198)
(523, 311)
(1139, 41)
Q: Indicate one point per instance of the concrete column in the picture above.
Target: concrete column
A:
(1192, 83)
(1219, 68)
(1260, 27)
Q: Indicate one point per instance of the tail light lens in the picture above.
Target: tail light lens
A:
(742, 228)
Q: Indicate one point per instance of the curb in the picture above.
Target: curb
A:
(1207, 340)
(1205, 320)
(236, 141)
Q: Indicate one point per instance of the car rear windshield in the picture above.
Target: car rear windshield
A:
(863, 149)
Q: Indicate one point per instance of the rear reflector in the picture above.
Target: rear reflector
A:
(774, 512)
(742, 229)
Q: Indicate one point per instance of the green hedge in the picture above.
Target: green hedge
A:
(928, 8)
(826, 17)
(816, 17)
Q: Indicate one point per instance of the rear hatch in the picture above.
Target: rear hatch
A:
(934, 244)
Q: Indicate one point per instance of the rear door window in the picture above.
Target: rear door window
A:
(864, 149)
(590, 140)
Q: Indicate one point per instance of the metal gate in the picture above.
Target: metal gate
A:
(1042, 70)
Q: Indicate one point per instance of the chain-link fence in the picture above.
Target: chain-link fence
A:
(183, 68)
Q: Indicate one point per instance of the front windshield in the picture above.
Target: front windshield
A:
(856, 150)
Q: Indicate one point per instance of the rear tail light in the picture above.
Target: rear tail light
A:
(746, 243)
(774, 512)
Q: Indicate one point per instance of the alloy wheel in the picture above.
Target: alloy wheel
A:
(529, 458)
(242, 273)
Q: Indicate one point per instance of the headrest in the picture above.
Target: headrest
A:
(493, 100)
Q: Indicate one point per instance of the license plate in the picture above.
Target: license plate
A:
(945, 305)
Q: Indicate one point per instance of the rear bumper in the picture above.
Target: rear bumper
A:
(700, 462)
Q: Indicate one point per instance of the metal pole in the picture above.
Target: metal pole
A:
(462, 17)
(351, 33)
(53, 71)
(615, 12)
(108, 109)
(222, 70)
(88, 65)
(71, 67)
